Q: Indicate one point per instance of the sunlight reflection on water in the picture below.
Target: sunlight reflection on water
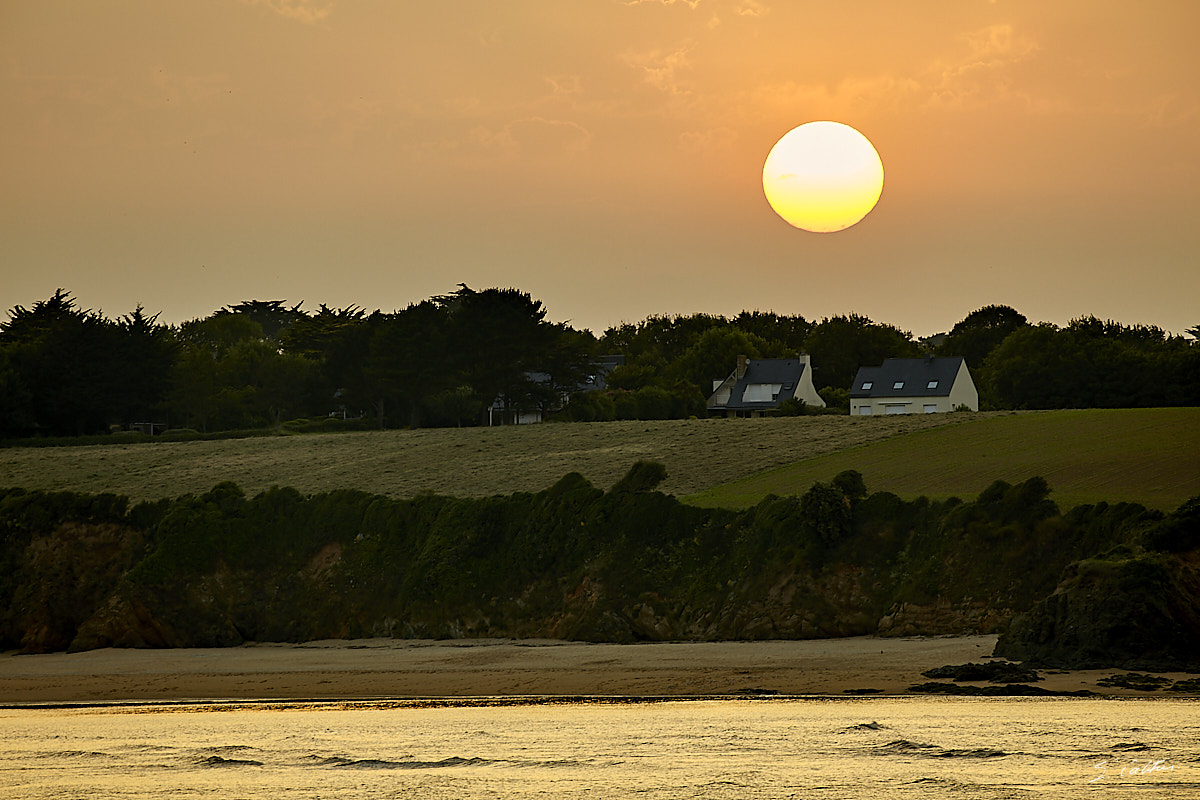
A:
(744, 748)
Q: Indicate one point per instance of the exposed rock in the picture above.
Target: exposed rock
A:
(65, 577)
(993, 671)
(945, 616)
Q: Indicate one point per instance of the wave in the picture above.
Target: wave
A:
(866, 726)
(341, 762)
(219, 761)
(904, 746)
(910, 748)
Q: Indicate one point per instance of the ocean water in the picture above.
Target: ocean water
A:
(833, 748)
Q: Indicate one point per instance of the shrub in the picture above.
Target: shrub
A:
(643, 476)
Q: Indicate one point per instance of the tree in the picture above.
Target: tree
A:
(840, 345)
(143, 363)
(220, 332)
(192, 398)
(980, 332)
(409, 359)
(271, 315)
(659, 340)
(63, 357)
(314, 335)
(16, 401)
(715, 353)
(504, 347)
(788, 332)
(328, 340)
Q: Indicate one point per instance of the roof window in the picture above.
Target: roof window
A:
(898, 385)
(867, 385)
(932, 385)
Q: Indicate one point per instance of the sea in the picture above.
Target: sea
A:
(601, 748)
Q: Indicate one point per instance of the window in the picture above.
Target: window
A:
(864, 411)
(898, 385)
(895, 409)
(930, 408)
(932, 385)
(867, 385)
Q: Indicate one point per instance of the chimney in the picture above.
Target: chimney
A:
(741, 367)
(804, 359)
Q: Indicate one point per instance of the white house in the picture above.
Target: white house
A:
(758, 385)
(913, 386)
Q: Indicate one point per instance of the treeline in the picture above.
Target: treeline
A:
(578, 562)
(448, 360)
(65, 371)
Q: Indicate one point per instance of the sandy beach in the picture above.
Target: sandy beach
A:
(388, 668)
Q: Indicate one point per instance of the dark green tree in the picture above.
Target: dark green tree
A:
(840, 345)
(980, 332)
(410, 358)
(271, 315)
(63, 356)
(788, 332)
(143, 365)
(714, 356)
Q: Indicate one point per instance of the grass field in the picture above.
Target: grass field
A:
(1149, 456)
(463, 462)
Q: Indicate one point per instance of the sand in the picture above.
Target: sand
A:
(388, 668)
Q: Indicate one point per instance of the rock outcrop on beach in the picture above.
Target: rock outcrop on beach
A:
(576, 562)
(1132, 607)
(1138, 612)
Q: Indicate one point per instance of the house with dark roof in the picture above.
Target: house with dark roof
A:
(758, 385)
(913, 386)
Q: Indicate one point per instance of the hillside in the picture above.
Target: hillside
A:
(460, 462)
(1149, 456)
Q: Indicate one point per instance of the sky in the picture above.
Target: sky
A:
(603, 155)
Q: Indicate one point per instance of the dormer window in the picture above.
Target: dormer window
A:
(898, 385)
(932, 385)
(867, 385)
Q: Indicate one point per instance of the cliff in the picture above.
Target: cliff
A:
(572, 562)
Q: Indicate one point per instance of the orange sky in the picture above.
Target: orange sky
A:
(604, 155)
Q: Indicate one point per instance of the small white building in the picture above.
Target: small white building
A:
(913, 386)
(758, 385)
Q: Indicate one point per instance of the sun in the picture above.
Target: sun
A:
(823, 177)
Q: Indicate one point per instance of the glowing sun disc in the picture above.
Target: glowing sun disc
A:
(823, 177)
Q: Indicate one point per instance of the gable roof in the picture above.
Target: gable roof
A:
(918, 377)
(784, 372)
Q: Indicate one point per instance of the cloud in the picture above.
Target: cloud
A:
(689, 3)
(564, 84)
(989, 73)
(307, 11)
(751, 8)
(661, 70)
(848, 97)
(711, 141)
(536, 137)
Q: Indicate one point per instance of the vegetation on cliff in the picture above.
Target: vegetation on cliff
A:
(571, 562)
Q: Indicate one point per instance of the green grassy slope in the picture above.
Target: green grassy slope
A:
(461, 462)
(1148, 456)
